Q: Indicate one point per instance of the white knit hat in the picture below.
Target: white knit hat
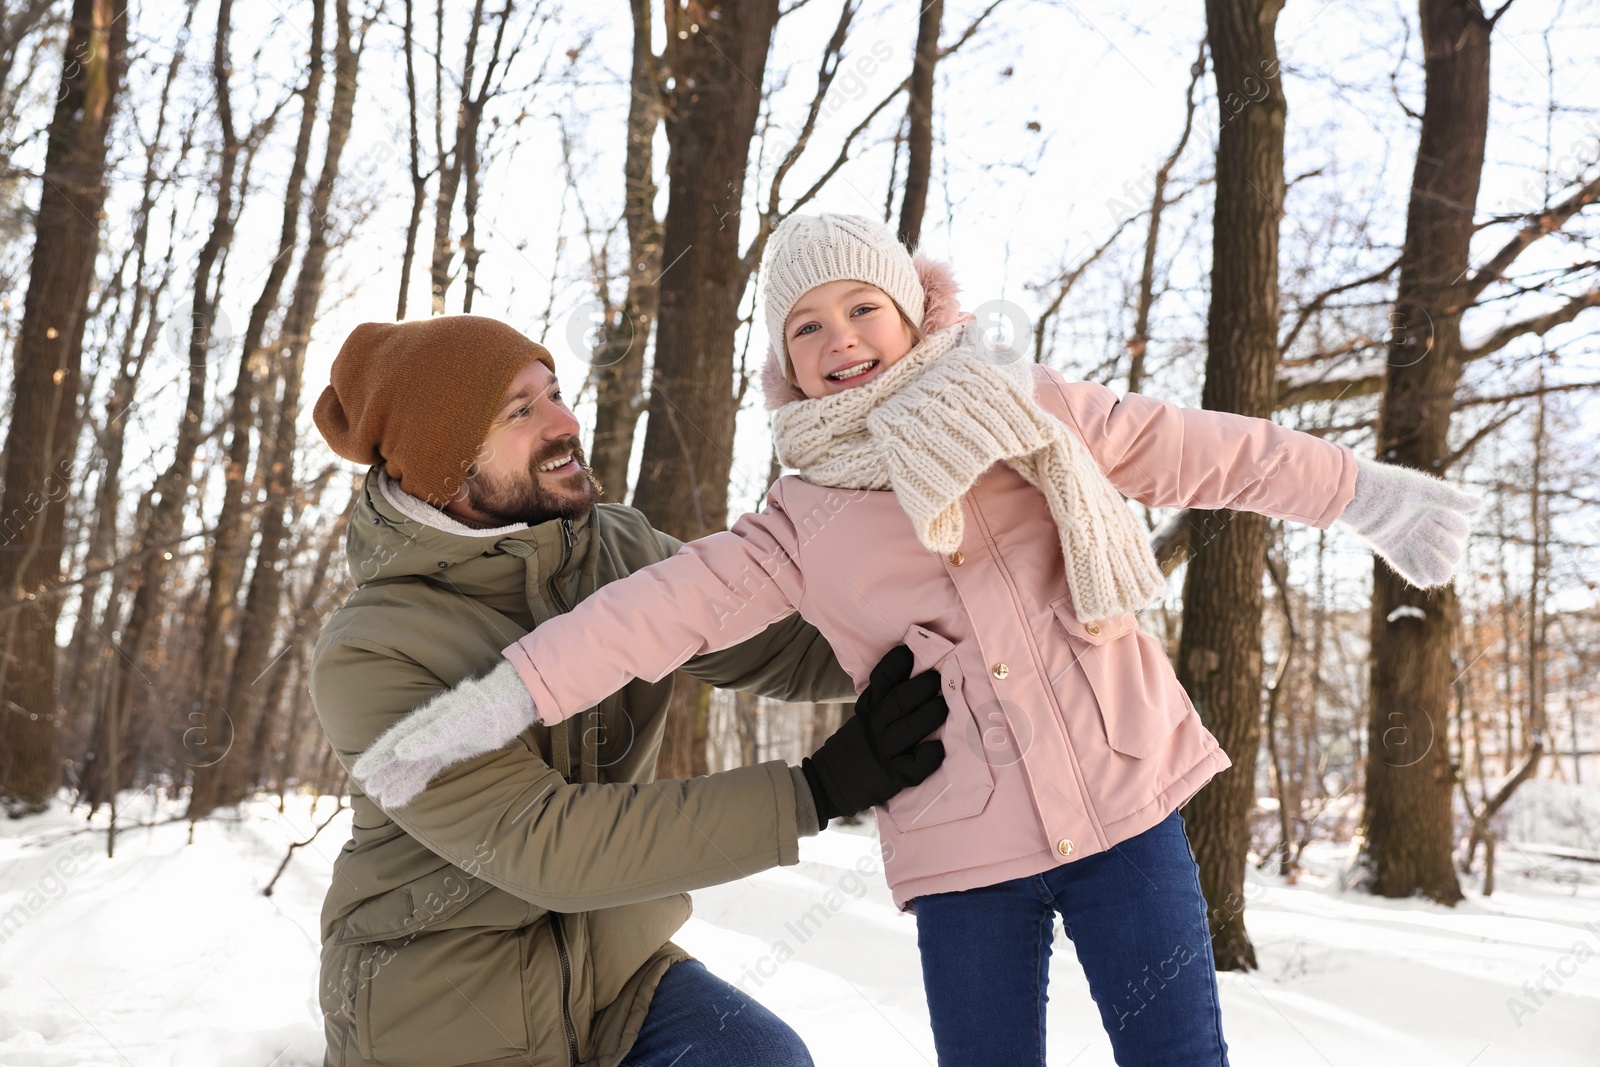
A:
(806, 251)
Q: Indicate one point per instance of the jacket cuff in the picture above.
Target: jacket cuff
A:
(546, 708)
(1344, 496)
(805, 806)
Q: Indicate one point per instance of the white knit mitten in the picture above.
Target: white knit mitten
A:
(477, 716)
(1415, 522)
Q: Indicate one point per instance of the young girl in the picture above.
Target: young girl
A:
(972, 508)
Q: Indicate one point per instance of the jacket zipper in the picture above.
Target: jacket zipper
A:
(1033, 648)
(567, 540)
(566, 989)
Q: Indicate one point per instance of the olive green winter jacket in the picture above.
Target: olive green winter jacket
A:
(519, 909)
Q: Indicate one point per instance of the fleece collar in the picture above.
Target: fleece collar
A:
(393, 534)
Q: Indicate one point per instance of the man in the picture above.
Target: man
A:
(517, 909)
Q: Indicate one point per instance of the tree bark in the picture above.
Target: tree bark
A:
(419, 181)
(300, 634)
(469, 116)
(1406, 831)
(45, 417)
(718, 64)
(88, 652)
(1219, 652)
(450, 171)
(919, 124)
(619, 358)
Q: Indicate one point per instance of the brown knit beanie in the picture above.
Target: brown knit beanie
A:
(419, 396)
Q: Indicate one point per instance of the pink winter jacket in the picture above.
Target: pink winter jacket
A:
(1063, 738)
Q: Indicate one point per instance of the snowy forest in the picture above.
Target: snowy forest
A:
(1376, 222)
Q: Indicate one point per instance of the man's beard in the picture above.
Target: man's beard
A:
(524, 497)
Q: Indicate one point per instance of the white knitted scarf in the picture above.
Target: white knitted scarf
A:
(932, 423)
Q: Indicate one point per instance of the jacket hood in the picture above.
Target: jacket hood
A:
(941, 308)
(393, 535)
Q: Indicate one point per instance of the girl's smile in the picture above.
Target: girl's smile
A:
(844, 334)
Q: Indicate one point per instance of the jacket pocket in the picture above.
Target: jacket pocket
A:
(449, 998)
(962, 785)
(622, 939)
(1095, 632)
(1130, 676)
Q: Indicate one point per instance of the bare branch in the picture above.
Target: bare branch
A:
(1317, 303)
(1139, 342)
(1538, 225)
(971, 30)
(1066, 280)
(1538, 326)
(1472, 442)
(753, 255)
(826, 70)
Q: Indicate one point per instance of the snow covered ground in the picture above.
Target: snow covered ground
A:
(169, 954)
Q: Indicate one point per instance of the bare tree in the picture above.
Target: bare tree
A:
(87, 651)
(1406, 832)
(919, 123)
(218, 780)
(1536, 622)
(718, 56)
(618, 358)
(45, 415)
(167, 499)
(1219, 660)
(419, 180)
(234, 528)
(475, 95)
(1160, 199)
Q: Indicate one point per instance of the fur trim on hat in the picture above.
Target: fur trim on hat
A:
(941, 308)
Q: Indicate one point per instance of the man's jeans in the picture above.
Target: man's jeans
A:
(698, 1020)
(1138, 920)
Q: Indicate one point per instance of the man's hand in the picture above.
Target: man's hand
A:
(1417, 523)
(477, 716)
(880, 748)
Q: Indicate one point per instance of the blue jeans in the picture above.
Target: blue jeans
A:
(1138, 920)
(698, 1020)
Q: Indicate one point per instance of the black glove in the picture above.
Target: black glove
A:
(880, 748)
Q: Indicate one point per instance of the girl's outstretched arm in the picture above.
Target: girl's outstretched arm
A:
(713, 594)
(1165, 455)
(1168, 456)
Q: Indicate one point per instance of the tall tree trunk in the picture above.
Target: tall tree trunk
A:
(470, 251)
(1406, 830)
(718, 63)
(619, 358)
(919, 123)
(225, 781)
(87, 656)
(469, 111)
(299, 635)
(419, 182)
(234, 524)
(141, 661)
(44, 412)
(1219, 652)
